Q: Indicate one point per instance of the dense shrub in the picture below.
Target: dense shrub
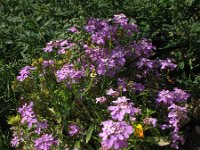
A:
(26, 26)
(101, 76)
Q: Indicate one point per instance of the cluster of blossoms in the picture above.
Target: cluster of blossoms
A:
(170, 97)
(61, 46)
(47, 63)
(25, 72)
(45, 142)
(69, 73)
(176, 113)
(122, 107)
(150, 121)
(154, 64)
(27, 114)
(115, 134)
(108, 60)
(28, 118)
(17, 138)
(73, 129)
(111, 51)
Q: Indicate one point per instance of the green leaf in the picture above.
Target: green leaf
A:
(89, 133)
(161, 141)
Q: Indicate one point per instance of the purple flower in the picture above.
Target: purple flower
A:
(69, 73)
(138, 87)
(121, 108)
(122, 84)
(45, 142)
(73, 129)
(40, 126)
(165, 96)
(120, 19)
(101, 99)
(115, 134)
(176, 115)
(170, 97)
(49, 47)
(27, 114)
(150, 121)
(165, 126)
(143, 48)
(176, 140)
(25, 72)
(47, 63)
(180, 95)
(17, 138)
(112, 93)
(167, 64)
(73, 29)
(59, 45)
(144, 62)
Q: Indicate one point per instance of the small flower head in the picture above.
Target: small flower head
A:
(101, 99)
(115, 134)
(73, 29)
(25, 72)
(73, 129)
(45, 142)
(27, 114)
(112, 93)
(150, 121)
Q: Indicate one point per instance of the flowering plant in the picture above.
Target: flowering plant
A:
(100, 88)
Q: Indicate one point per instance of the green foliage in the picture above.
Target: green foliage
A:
(3, 141)
(26, 25)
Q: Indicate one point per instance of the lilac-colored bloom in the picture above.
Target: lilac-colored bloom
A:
(138, 87)
(45, 142)
(115, 134)
(180, 95)
(144, 62)
(120, 19)
(17, 138)
(112, 93)
(176, 115)
(101, 99)
(165, 96)
(165, 126)
(107, 61)
(40, 126)
(27, 114)
(143, 48)
(150, 121)
(122, 84)
(167, 64)
(47, 63)
(121, 108)
(73, 29)
(73, 129)
(69, 73)
(170, 97)
(49, 47)
(59, 45)
(25, 72)
(176, 140)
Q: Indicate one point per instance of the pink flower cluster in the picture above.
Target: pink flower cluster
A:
(28, 118)
(115, 134)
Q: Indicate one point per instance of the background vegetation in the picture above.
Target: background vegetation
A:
(26, 25)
